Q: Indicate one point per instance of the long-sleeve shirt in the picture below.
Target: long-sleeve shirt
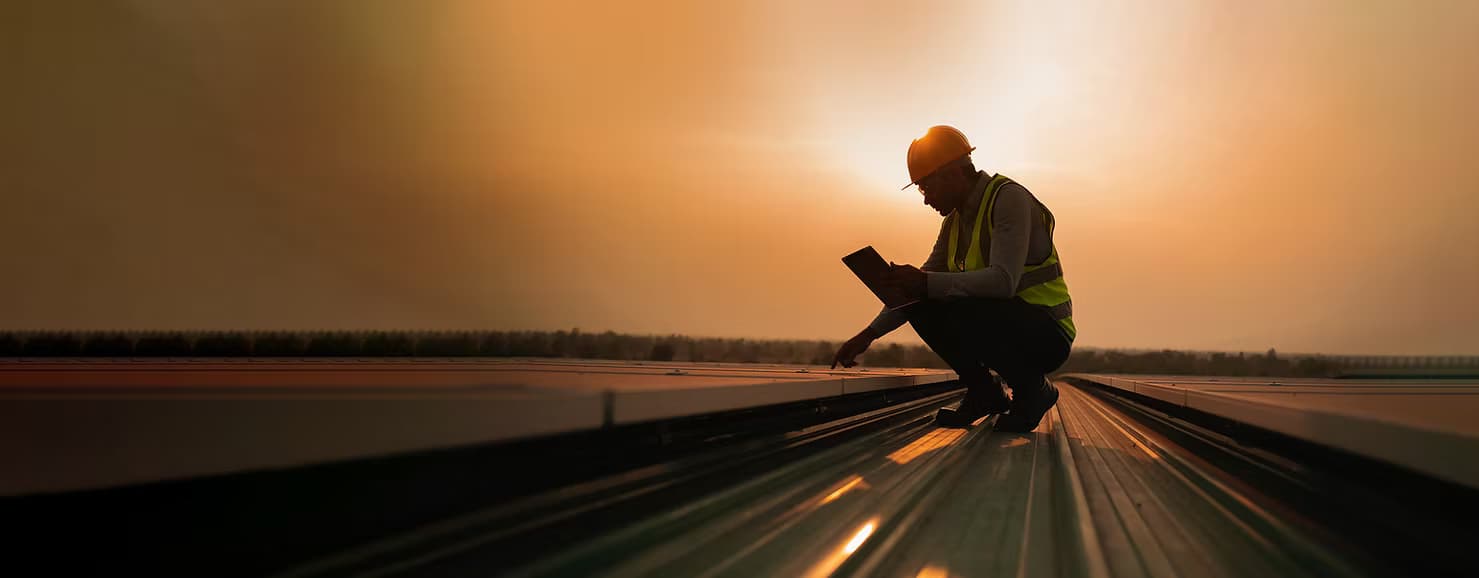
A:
(1018, 237)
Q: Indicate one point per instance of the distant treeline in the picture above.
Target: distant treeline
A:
(611, 345)
(574, 343)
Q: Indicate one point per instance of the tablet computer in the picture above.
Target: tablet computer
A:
(871, 269)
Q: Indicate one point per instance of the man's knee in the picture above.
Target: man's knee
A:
(931, 322)
(924, 311)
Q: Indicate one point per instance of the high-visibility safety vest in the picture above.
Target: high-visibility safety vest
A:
(1041, 284)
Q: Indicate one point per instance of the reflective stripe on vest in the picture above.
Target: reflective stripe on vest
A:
(1041, 284)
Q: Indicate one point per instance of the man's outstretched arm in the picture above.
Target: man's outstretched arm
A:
(888, 320)
(852, 348)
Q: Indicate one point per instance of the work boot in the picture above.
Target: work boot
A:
(1028, 409)
(980, 401)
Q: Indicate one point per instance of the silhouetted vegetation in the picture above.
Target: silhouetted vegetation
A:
(279, 344)
(383, 344)
(675, 348)
(50, 345)
(223, 345)
(10, 345)
(334, 344)
(462, 344)
(163, 345)
(662, 351)
(110, 345)
(1189, 363)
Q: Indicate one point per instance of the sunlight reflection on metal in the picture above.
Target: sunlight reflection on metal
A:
(932, 571)
(1153, 455)
(857, 539)
(932, 441)
(855, 482)
(834, 559)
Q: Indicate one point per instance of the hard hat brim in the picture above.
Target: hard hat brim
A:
(916, 182)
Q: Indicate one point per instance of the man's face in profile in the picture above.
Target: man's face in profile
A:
(942, 190)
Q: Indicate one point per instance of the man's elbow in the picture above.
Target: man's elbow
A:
(1005, 286)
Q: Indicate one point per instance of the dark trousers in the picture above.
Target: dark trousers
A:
(1019, 341)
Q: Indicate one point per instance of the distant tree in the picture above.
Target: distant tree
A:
(51, 345)
(608, 346)
(612, 345)
(822, 352)
(233, 344)
(587, 345)
(921, 356)
(781, 352)
(279, 344)
(334, 344)
(662, 351)
(10, 345)
(1313, 367)
(386, 344)
(884, 355)
(108, 345)
(529, 344)
(447, 344)
(493, 344)
(163, 345)
(741, 351)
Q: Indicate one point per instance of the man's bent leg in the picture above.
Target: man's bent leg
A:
(1020, 341)
(1025, 345)
(940, 325)
(1032, 397)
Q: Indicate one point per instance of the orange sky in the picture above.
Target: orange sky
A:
(1232, 177)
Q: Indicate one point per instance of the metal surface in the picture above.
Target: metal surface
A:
(1106, 486)
(93, 423)
(1091, 492)
(1426, 426)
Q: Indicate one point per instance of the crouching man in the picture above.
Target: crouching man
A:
(992, 294)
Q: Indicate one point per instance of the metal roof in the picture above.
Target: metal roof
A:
(1425, 425)
(232, 415)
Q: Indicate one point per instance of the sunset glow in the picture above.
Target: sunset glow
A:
(1224, 176)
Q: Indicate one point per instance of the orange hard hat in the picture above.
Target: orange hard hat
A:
(940, 146)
